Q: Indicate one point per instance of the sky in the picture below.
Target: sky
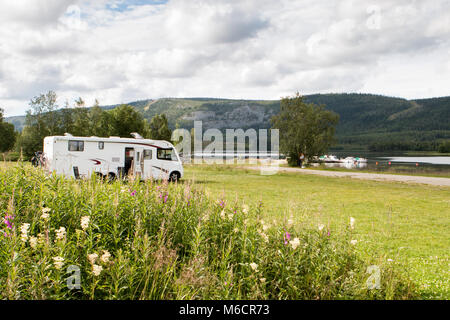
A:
(121, 51)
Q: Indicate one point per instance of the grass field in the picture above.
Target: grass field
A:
(406, 223)
(221, 233)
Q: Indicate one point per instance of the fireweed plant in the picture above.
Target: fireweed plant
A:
(159, 240)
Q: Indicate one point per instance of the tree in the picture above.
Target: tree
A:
(42, 120)
(80, 119)
(7, 134)
(304, 127)
(159, 128)
(99, 121)
(125, 120)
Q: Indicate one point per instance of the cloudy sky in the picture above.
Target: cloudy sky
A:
(121, 51)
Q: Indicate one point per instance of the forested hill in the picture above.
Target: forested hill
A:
(365, 119)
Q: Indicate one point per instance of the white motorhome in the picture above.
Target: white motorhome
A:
(112, 157)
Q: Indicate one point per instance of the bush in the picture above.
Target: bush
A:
(165, 241)
(444, 147)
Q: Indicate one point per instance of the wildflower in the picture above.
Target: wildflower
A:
(245, 208)
(96, 270)
(40, 238)
(254, 266)
(8, 220)
(264, 236)
(390, 260)
(45, 213)
(58, 262)
(33, 242)
(235, 230)
(222, 203)
(60, 233)
(133, 193)
(105, 256)
(287, 237)
(85, 222)
(92, 257)
(222, 214)
(24, 230)
(165, 198)
(295, 243)
(353, 242)
(262, 280)
(352, 223)
(321, 226)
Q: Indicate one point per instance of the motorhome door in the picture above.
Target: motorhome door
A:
(148, 155)
(138, 163)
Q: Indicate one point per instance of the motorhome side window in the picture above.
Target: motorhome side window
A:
(76, 145)
(166, 154)
(101, 145)
(147, 154)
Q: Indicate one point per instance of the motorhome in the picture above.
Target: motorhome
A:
(111, 157)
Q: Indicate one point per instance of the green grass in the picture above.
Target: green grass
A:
(406, 223)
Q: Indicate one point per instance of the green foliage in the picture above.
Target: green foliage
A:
(365, 119)
(305, 128)
(444, 147)
(45, 119)
(166, 241)
(159, 128)
(7, 134)
(125, 120)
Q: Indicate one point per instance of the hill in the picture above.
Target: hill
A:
(365, 119)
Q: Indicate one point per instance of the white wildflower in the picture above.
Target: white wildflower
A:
(58, 262)
(390, 260)
(352, 223)
(254, 266)
(96, 270)
(40, 238)
(85, 222)
(33, 242)
(295, 243)
(60, 233)
(45, 213)
(92, 257)
(290, 222)
(222, 214)
(262, 280)
(321, 226)
(245, 208)
(24, 230)
(353, 242)
(105, 256)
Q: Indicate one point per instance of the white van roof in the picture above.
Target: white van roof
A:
(145, 142)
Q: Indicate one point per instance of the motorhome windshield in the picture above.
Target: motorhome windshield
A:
(167, 154)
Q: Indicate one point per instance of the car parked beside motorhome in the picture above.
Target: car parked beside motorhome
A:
(111, 157)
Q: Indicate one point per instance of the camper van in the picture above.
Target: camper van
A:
(111, 157)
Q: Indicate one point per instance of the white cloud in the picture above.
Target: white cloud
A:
(237, 49)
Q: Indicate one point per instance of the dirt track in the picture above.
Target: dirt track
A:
(445, 182)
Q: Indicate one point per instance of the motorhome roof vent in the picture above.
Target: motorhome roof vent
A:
(68, 134)
(136, 135)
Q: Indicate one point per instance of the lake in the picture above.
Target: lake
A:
(397, 162)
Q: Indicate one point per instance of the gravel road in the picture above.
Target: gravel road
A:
(445, 182)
